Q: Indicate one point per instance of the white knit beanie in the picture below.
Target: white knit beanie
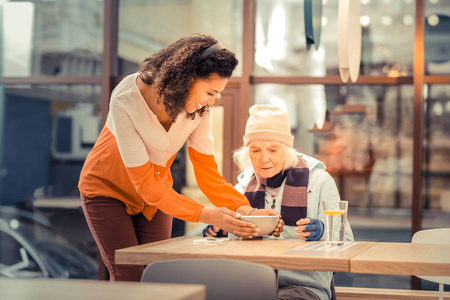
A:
(270, 123)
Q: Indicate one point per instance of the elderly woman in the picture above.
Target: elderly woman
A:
(293, 184)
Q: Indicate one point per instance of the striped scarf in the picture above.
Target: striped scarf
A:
(295, 196)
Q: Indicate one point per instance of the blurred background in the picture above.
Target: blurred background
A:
(385, 138)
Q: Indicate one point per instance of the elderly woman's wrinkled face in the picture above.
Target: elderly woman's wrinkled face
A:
(267, 157)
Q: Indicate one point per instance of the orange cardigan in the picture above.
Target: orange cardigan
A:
(149, 187)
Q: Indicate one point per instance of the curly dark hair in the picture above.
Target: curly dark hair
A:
(172, 69)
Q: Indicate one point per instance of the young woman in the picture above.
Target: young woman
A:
(126, 185)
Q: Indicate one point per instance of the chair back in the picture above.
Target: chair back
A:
(434, 236)
(224, 279)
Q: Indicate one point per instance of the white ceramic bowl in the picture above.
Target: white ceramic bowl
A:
(267, 224)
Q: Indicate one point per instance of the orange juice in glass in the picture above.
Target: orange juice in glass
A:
(335, 219)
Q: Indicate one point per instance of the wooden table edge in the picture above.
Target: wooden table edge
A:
(359, 265)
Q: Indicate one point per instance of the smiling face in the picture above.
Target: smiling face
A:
(267, 157)
(204, 92)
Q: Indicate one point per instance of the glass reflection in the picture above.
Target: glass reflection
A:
(52, 38)
(387, 36)
(30, 249)
(437, 152)
(47, 132)
(141, 24)
(437, 37)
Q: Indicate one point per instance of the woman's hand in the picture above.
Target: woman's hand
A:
(227, 220)
(310, 229)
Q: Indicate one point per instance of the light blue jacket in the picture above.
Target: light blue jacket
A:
(321, 186)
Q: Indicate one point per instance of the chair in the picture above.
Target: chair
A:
(224, 279)
(434, 236)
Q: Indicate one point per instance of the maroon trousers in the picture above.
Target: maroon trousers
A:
(113, 228)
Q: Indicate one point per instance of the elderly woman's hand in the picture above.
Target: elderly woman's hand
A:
(213, 231)
(310, 229)
(277, 232)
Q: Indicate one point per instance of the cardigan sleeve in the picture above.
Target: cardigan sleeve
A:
(120, 123)
(212, 184)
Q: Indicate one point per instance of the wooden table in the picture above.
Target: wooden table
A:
(403, 259)
(354, 257)
(291, 254)
(71, 289)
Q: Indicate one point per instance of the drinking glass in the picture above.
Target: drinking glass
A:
(336, 217)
